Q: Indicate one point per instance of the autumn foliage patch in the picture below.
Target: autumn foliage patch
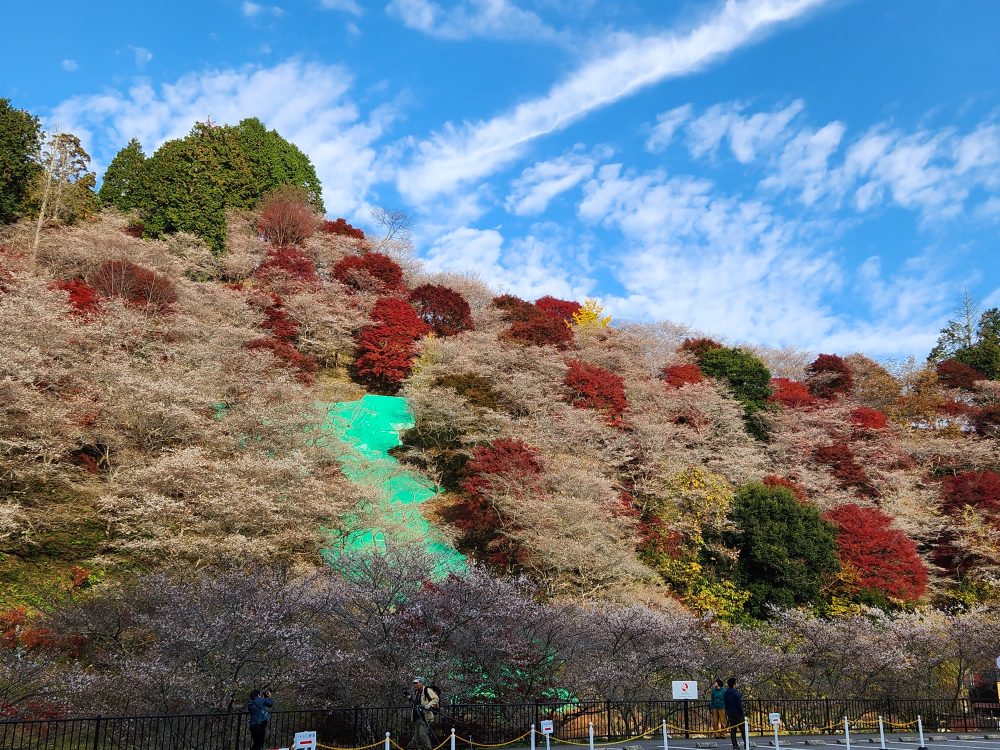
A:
(443, 309)
(369, 272)
(593, 387)
(342, 228)
(843, 465)
(82, 297)
(866, 418)
(286, 218)
(698, 346)
(288, 356)
(773, 480)
(953, 374)
(559, 308)
(134, 284)
(876, 556)
(287, 264)
(829, 377)
(386, 349)
(676, 376)
(790, 393)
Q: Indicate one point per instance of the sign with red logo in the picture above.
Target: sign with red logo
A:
(685, 690)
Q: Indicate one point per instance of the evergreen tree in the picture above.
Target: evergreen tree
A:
(274, 161)
(786, 550)
(20, 143)
(123, 181)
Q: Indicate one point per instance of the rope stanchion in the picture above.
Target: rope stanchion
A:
(334, 747)
(606, 744)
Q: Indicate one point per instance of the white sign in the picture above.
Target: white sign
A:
(685, 690)
(304, 741)
(998, 662)
(775, 719)
(547, 726)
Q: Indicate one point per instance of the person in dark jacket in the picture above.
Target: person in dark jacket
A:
(259, 705)
(717, 708)
(735, 713)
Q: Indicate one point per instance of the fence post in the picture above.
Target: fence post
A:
(591, 735)
(847, 733)
(607, 718)
(920, 731)
(97, 732)
(666, 740)
(687, 721)
(532, 736)
(881, 734)
(453, 739)
(387, 741)
(828, 722)
(746, 732)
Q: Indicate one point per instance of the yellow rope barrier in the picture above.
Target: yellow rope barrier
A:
(366, 747)
(501, 744)
(606, 744)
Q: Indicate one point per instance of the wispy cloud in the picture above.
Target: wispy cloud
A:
(306, 103)
(70, 66)
(459, 154)
(667, 124)
(468, 19)
(142, 56)
(347, 6)
(532, 192)
(258, 10)
(747, 135)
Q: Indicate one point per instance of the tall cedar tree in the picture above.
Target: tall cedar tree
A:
(593, 387)
(787, 552)
(20, 144)
(124, 181)
(443, 309)
(879, 558)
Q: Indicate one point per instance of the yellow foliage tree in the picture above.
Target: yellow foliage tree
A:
(590, 316)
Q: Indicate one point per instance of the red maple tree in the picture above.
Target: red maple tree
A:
(877, 556)
(442, 308)
(698, 346)
(840, 458)
(866, 418)
(559, 308)
(829, 376)
(341, 227)
(953, 374)
(676, 376)
(773, 480)
(287, 264)
(593, 387)
(386, 349)
(790, 393)
(136, 285)
(369, 272)
(286, 219)
(82, 297)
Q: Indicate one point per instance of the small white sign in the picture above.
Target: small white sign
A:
(685, 690)
(304, 741)
(775, 719)
(547, 726)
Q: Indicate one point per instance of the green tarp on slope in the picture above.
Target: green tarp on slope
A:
(371, 427)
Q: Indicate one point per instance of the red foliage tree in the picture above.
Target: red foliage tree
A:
(443, 309)
(881, 558)
(829, 376)
(385, 350)
(398, 316)
(515, 309)
(287, 264)
(773, 480)
(281, 326)
(288, 356)
(541, 330)
(342, 228)
(698, 346)
(593, 387)
(953, 374)
(82, 296)
(790, 393)
(559, 308)
(371, 272)
(839, 457)
(508, 467)
(134, 284)
(676, 376)
(980, 490)
(286, 218)
(866, 418)
(987, 421)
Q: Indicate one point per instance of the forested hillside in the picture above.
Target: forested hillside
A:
(639, 496)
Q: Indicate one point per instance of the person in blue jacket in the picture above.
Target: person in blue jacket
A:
(259, 705)
(735, 713)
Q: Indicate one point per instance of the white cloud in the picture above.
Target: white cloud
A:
(142, 56)
(804, 164)
(463, 153)
(468, 19)
(69, 65)
(306, 103)
(347, 6)
(255, 10)
(666, 125)
(529, 267)
(532, 192)
(747, 135)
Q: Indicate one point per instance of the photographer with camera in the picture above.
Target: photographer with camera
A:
(259, 705)
(425, 708)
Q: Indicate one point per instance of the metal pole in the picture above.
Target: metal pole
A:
(666, 741)
(687, 722)
(453, 739)
(746, 732)
(547, 742)
(881, 733)
(920, 732)
(532, 737)
(776, 745)
(387, 741)
(591, 735)
(847, 733)
(97, 732)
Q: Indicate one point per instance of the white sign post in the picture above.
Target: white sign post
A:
(775, 720)
(304, 741)
(547, 727)
(685, 690)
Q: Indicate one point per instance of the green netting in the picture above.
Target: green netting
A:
(370, 428)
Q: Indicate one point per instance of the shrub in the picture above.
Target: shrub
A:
(878, 557)
(134, 284)
(514, 309)
(840, 458)
(541, 330)
(987, 421)
(443, 309)
(980, 490)
(287, 264)
(593, 387)
(399, 318)
(954, 374)
(676, 376)
(866, 418)
(82, 297)
(565, 310)
(475, 389)
(286, 218)
(288, 356)
(369, 272)
(343, 229)
(787, 552)
(385, 350)
(698, 346)
(277, 321)
(790, 394)
(829, 376)
(748, 377)
(773, 480)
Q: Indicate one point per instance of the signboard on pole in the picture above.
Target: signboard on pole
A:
(685, 690)
(775, 719)
(304, 741)
(547, 726)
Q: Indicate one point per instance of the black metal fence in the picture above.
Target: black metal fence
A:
(489, 723)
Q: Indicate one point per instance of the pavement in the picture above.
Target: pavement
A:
(973, 740)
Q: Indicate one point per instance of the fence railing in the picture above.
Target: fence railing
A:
(477, 723)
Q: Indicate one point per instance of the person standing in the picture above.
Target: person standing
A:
(735, 713)
(425, 706)
(717, 708)
(259, 705)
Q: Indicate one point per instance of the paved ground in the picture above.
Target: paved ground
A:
(976, 740)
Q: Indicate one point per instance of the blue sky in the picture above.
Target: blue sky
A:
(823, 174)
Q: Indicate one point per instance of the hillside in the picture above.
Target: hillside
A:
(168, 453)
